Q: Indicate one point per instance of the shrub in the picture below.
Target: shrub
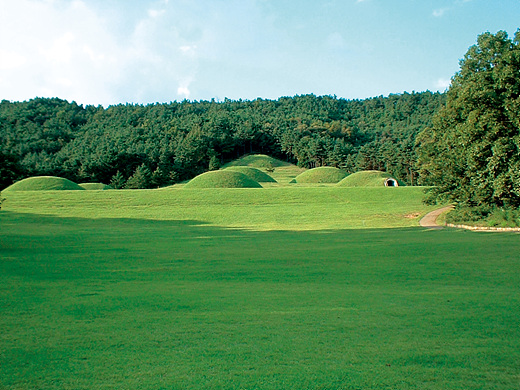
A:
(485, 216)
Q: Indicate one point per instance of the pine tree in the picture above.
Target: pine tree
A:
(118, 181)
(142, 178)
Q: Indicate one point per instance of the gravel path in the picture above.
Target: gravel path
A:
(430, 219)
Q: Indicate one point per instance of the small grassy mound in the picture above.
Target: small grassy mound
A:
(253, 173)
(95, 186)
(43, 183)
(222, 179)
(370, 179)
(321, 175)
(257, 161)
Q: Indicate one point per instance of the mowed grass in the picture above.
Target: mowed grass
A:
(126, 303)
(300, 208)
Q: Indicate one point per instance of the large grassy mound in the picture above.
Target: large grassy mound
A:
(370, 179)
(253, 173)
(321, 175)
(222, 179)
(95, 186)
(43, 183)
(257, 161)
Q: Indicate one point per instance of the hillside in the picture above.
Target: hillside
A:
(177, 141)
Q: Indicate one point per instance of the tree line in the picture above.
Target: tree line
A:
(146, 146)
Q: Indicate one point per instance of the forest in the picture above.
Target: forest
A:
(149, 146)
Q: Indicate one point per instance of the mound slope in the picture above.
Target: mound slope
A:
(43, 183)
(95, 186)
(257, 161)
(253, 173)
(321, 175)
(370, 179)
(222, 179)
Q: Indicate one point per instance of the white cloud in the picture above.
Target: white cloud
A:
(11, 60)
(439, 12)
(183, 91)
(153, 13)
(442, 84)
(60, 50)
(65, 50)
(77, 52)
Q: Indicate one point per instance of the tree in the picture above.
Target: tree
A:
(118, 181)
(214, 163)
(142, 178)
(9, 170)
(471, 153)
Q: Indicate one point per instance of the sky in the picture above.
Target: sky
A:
(106, 52)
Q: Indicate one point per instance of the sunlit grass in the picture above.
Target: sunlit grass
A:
(282, 208)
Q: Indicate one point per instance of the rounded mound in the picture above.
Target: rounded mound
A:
(321, 175)
(370, 179)
(257, 161)
(253, 173)
(43, 183)
(95, 186)
(222, 179)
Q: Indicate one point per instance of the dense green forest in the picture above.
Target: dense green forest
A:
(471, 153)
(136, 146)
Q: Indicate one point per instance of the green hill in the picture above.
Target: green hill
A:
(281, 171)
(43, 183)
(257, 161)
(370, 179)
(222, 179)
(253, 173)
(321, 175)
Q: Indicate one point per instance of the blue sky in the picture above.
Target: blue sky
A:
(117, 51)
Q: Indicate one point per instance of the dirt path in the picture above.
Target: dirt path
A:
(430, 219)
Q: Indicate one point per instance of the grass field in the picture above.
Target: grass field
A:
(161, 290)
(301, 208)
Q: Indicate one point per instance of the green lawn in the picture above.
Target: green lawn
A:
(143, 299)
(294, 208)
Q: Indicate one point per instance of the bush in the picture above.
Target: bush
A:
(485, 216)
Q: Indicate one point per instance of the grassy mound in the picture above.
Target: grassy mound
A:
(321, 175)
(253, 173)
(257, 161)
(222, 179)
(370, 179)
(43, 183)
(95, 186)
